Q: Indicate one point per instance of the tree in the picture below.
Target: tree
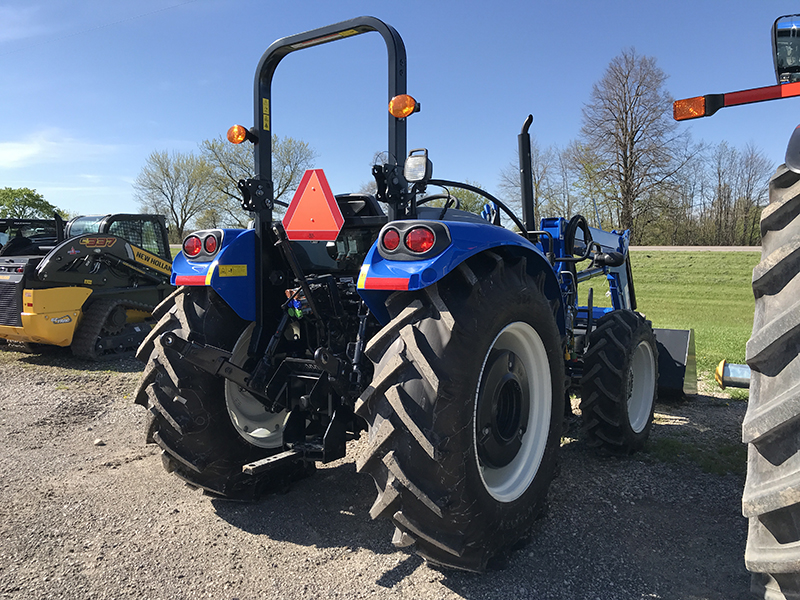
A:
(25, 203)
(597, 195)
(543, 163)
(232, 162)
(467, 200)
(176, 185)
(628, 124)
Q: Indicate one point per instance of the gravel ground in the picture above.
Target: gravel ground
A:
(88, 512)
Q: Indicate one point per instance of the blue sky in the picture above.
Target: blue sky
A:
(91, 88)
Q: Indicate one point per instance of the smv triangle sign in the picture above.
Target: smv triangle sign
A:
(313, 213)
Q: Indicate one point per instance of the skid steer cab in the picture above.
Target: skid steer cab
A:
(89, 284)
(444, 340)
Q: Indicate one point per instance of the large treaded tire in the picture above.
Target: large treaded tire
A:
(435, 362)
(190, 420)
(771, 427)
(619, 383)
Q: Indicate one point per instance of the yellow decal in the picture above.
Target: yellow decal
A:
(151, 260)
(348, 33)
(97, 242)
(265, 113)
(87, 281)
(233, 270)
(362, 276)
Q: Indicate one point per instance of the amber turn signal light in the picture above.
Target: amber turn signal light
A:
(402, 106)
(237, 134)
(690, 108)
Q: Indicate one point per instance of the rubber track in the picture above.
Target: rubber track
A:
(89, 331)
(771, 428)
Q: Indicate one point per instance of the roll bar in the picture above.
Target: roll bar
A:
(280, 48)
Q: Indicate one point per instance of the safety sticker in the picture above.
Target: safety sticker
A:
(232, 270)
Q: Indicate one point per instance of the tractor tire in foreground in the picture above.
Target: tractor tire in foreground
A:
(207, 427)
(465, 411)
(619, 383)
(771, 427)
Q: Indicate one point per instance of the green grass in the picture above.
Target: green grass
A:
(709, 292)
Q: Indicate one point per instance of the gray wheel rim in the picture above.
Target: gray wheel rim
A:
(508, 483)
(250, 418)
(641, 386)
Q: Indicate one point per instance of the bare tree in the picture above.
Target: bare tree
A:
(627, 122)
(176, 185)
(543, 164)
(232, 162)
(754, 173)
(563, 200)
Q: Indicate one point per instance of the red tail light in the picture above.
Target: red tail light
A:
(192, 246)
(391, 240)
(420, 239)
(210, 244)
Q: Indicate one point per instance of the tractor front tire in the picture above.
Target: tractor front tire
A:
(203, 424)
(771, 427)
(619, 383)
(465, 411)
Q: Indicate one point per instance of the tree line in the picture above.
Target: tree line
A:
(631, 167)
(199, 190)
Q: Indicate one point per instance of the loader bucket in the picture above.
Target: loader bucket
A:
(677, 363)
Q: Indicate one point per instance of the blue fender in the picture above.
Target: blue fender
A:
(231, 273)
(380, 276)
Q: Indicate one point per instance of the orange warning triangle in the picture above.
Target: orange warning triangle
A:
(313, 213)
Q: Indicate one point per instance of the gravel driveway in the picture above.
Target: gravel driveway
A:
(88, 512)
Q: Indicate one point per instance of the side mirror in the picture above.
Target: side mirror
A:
(786, 48)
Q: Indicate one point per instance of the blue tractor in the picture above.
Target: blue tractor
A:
(452, 341)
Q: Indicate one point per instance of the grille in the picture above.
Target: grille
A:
(11, 304)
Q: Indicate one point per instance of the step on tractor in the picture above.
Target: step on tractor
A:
(452, 341)
(89, 284)
(771, 427)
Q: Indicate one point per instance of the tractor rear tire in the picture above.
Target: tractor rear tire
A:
(465, 411)
(193, 415)
(771, 427)
(619, 383)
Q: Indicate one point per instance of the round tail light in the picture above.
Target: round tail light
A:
(391, 240)
(192, 246)
(210, 244)
(420, 239)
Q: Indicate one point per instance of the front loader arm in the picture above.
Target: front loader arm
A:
(101, 260)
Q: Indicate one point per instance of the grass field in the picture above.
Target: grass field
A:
(709, 292)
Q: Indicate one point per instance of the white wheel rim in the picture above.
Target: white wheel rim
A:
(508, 483)
(641, 386)
(250, 418)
